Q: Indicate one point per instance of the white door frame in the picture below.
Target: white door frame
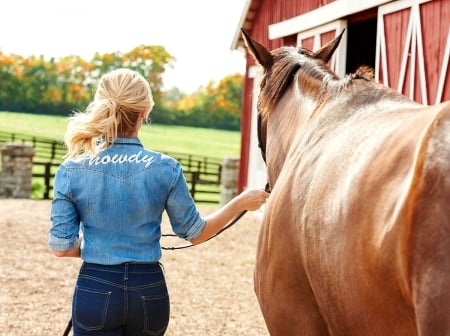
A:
(257, 172)
(338, 62)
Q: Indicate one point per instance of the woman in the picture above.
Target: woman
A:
(115, 192)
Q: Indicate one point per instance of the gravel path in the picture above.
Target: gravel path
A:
(210, 285)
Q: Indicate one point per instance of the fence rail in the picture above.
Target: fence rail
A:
(202, 174)
(46, 149)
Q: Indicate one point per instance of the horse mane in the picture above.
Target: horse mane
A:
(364, 72)
(287, 61)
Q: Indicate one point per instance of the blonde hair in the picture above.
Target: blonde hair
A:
(121, 97)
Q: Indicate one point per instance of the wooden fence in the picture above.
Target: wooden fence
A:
(203, 174)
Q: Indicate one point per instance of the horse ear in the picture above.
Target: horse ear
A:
(328, 49)
(261, 54)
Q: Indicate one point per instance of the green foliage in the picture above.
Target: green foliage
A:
(218, 105)
(37, 189)
(59, 87)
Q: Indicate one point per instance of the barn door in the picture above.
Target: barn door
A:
(313, 39)
(413, 49)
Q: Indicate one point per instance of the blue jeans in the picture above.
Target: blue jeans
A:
(129, 299)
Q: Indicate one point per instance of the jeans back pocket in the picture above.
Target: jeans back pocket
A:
(156, 314)
(90, 307)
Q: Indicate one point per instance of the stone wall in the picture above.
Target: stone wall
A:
(16, 173)
(228, 179)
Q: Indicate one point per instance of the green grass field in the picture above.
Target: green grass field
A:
(212, 143)
(171, 139)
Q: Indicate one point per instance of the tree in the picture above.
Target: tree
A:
(34, 84)
(218, 105)
(37, 85)
(151, 62)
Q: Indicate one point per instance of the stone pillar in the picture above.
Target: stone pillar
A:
(16, 174)
(229, 179)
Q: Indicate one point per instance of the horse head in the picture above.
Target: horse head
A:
(281, 68)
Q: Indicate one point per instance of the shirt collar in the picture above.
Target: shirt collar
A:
(127, 141)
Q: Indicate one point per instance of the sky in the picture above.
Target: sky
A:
(198, 33)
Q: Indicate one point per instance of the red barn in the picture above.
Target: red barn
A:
(407, 42)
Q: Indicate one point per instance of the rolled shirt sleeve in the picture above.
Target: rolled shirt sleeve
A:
(64, 230)
(184, 217)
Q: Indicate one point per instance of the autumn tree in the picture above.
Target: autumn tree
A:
(217, 105)
(10, 81)
(34, 84)
(37, 85)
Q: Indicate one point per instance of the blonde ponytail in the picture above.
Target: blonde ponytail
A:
(121, 97)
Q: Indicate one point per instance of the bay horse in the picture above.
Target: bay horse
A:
(355, 238)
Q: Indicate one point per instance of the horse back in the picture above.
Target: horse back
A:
(398, 222)
(428, 262)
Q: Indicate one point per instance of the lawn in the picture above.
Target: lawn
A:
(166, 138)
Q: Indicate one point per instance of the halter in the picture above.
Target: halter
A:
(262, 135)
(262, 131)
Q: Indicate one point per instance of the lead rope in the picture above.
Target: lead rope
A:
(230, 224)
(69, 326)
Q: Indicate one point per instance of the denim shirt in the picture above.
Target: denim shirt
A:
(117, 200)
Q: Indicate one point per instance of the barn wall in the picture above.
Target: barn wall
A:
(245, 133)
(413, 50)
(435, 38)
(274, 11)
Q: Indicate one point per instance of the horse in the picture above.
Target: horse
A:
(355, 237)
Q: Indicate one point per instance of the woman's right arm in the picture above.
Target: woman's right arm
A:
(249, 200)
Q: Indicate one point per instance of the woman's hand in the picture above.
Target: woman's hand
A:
(252, 199)
(249, 200)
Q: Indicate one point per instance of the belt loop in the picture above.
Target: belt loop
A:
(126, 272)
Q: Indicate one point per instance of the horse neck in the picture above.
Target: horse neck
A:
(284, 123)
(319, 101)
(293, 113)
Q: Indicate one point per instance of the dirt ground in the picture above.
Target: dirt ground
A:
(210, 285)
